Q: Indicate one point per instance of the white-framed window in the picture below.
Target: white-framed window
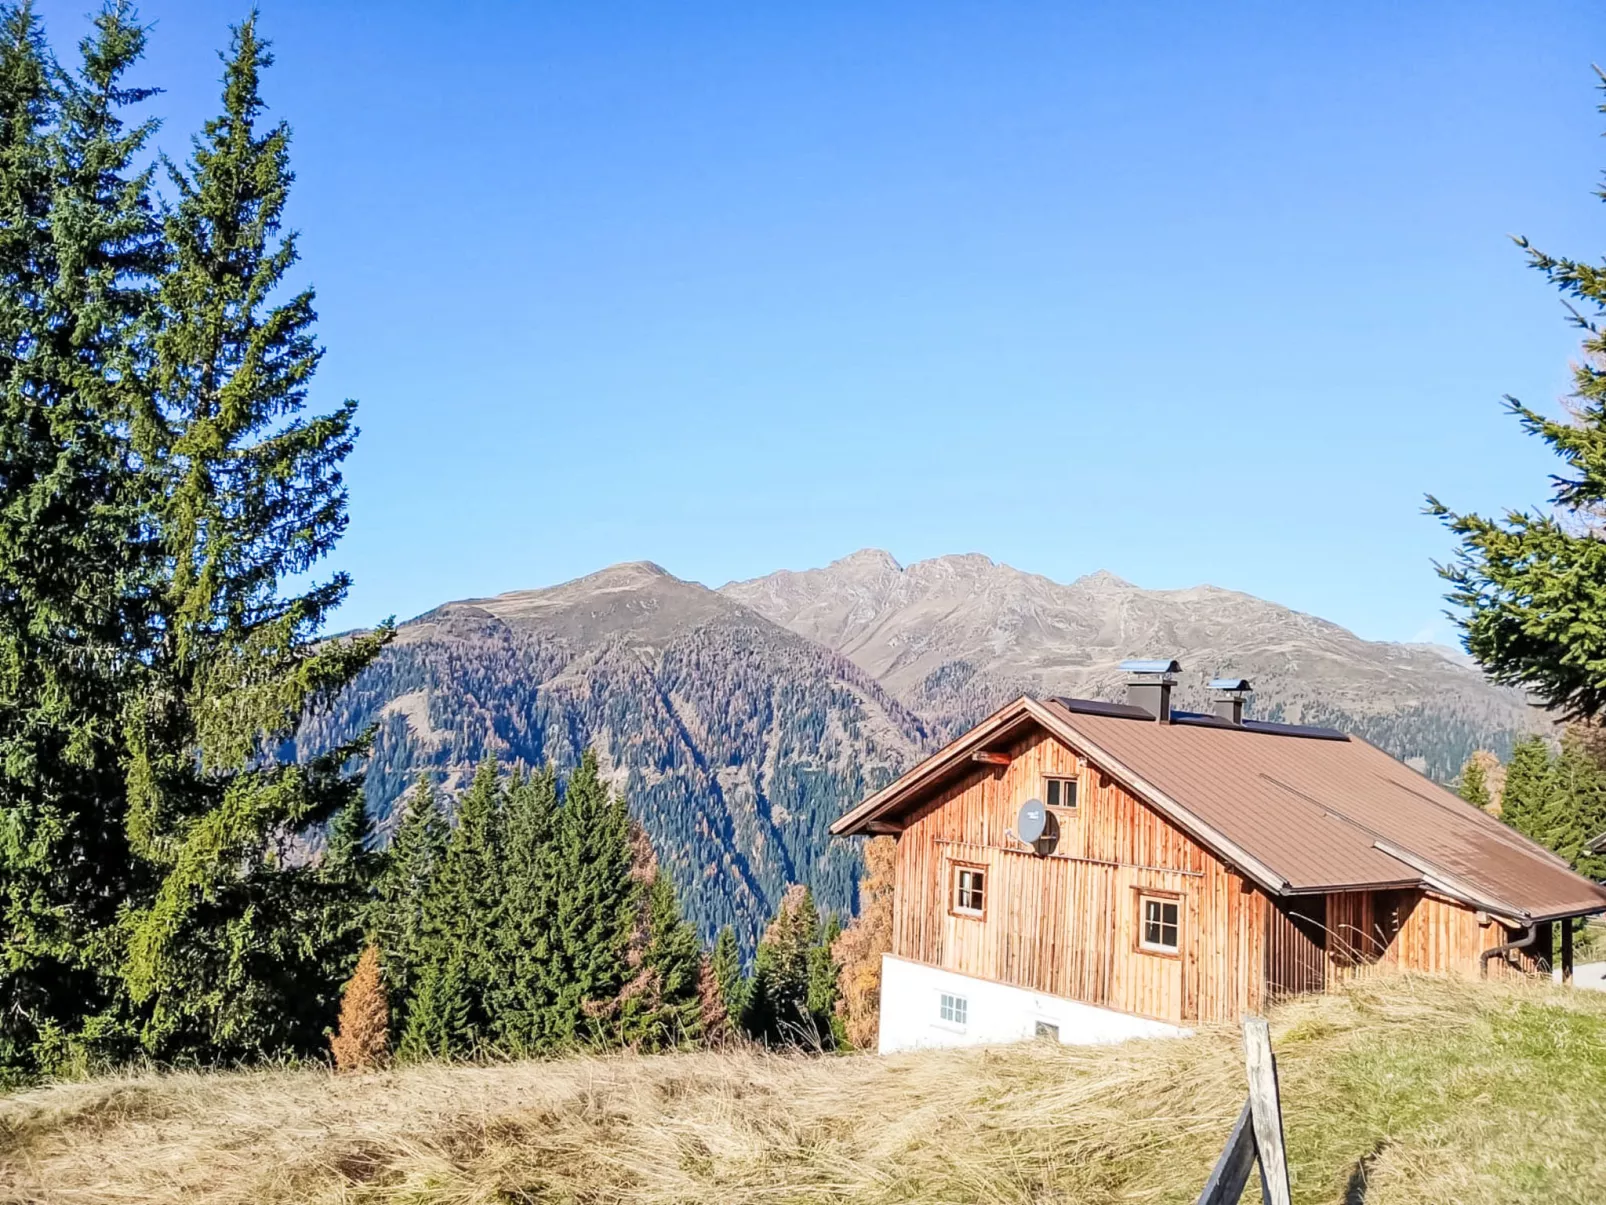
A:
(955, 1010)
(1160, 920)
(1060, 793)
(969, 891)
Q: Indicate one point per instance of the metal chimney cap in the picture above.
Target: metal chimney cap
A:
(1138, 665)
(1231, 684)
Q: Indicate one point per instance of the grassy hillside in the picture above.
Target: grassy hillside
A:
(1410, 1090)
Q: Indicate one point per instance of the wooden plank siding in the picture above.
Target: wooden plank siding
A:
(1417, 931)
(1296, 946)
(1067, 923)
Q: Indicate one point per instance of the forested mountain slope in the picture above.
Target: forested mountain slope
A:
(736, 741)
(956, 636)
(741, 722)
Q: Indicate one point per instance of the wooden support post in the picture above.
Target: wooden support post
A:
(1231, 1173)
(1566, 949)
(1265, 1107)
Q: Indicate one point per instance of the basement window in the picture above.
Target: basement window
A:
(1060, 793)
(953, 1009)
(1161, 920)
(970, 891)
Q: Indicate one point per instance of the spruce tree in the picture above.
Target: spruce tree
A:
(339, 904)
(1589, 742)
(79, 249)
(422, 1032)
(777, 1007)
(1576, 809)
(1474, 784)
(596, 899)
(1528, 583)
(238, 954)
(726, 965)
(463, 914)
(404, 887)
(1528, 787)
(662, 1007)
(824, 992)
(440, 1012)
(347, 841)
(522, 995)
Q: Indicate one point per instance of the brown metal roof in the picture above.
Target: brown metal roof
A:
(1295, 810)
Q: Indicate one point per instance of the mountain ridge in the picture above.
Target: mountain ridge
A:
(948, 634)
(1098, 579)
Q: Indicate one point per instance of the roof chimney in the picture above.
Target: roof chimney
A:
(1150, 685)
(1231, 694)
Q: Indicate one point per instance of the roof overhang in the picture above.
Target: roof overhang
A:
(1006, 722)
(1023, 713)
(1435, 878)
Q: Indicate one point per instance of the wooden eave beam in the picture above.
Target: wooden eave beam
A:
(988, 758)
(945, 760)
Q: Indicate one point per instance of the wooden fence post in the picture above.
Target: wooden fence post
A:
(1231, 1174)
(1265, 1108)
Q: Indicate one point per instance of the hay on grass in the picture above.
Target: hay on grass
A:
(1399, 1090)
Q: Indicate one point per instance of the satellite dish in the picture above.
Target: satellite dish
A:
(1031, 822)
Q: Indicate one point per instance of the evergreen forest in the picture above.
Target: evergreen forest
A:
(179, 881)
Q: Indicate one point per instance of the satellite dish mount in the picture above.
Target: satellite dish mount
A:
(1034, 826)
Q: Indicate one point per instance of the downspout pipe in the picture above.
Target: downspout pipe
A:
(1522, 943)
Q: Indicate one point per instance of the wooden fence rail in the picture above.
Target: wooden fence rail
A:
(1257, 1136)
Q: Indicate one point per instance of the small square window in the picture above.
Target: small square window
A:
(1060, 793)
(1161, 918)
(954, 1009)
(1045, 1030)
(970, 891)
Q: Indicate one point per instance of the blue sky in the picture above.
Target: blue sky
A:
(1193, 293)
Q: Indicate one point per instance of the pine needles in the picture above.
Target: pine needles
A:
(363, 1042)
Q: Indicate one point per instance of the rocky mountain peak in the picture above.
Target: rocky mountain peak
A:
(635, 601)
(1103, 579)
(865, 562)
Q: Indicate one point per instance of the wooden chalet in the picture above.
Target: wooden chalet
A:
(1184, 868)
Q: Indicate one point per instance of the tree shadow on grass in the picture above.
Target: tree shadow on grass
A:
(1355, 1189)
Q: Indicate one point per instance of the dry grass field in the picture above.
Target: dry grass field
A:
(1407, 1090)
